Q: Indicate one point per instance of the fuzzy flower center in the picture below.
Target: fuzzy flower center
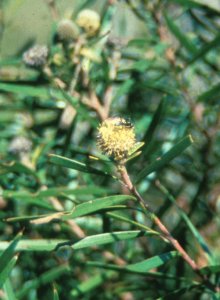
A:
(116, 137)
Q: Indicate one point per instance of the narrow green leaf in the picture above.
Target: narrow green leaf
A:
(55, 294)
(9, 252)
(166, 158)
(205, 49)
(112, 237)
(141, 267)
(41, 92)
(5, 272)
(136, 147)
(82, 209)
(153, 274)
(138, 42)
(215, 296)
(134, 155)
(142, 65)
(106, 238)
(91, 284)
(180, 36)
(43, 279)
(34, 245)
(6, 259)
(124, 88)
(158, 86)
(27, 90)
(44, 93)
(188, 3)
(211, 95)
(153, 125)
(8, 290)
(96, 205)
(99, 239)
(188, 222)
(15, 167)
(74, 164)
(180, 292)
(130, 221)
(210, 270)
(94, 240)
(10, 62)
(39, 202)
(59, 191)
(152, 262)
(7, 116)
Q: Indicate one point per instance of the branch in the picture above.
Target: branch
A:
(165, 232)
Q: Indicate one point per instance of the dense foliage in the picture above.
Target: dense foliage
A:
(136, 222)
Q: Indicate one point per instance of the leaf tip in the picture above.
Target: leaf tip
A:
(191, 139)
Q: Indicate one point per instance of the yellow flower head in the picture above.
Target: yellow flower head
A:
(89, 20)
(116, 137)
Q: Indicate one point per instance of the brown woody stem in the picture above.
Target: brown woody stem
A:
(165, 232)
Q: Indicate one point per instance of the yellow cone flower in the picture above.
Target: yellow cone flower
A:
(116, 137)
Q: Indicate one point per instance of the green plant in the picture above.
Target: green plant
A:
(109, 156)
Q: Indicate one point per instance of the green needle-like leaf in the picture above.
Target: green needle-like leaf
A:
(27, 90)
(5, 272)
(140, 267)
(185, 42)
(74, 164)
(210, 270)
(211, 96)
(80, 210)
(205, 49)
(166, 158)
(7, 259)
(55, 294)
(58, 191)
(188, 222)
(43, 279)
(91, 284)
(155, 122)
(15, 167)
(8, 290)
(94, 240)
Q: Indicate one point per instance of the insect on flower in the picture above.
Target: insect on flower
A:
(124, 122)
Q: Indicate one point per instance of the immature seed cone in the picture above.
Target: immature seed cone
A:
(67, 30)
(89, 20)
(36, 56)
(116, 137)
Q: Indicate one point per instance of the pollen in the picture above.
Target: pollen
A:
(116, 137)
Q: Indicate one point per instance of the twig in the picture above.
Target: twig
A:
(93, 102)
(165, 232)
(53, 9)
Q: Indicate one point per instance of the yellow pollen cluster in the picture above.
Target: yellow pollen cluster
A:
(116, 137)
